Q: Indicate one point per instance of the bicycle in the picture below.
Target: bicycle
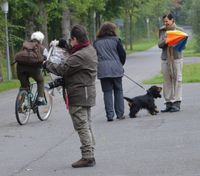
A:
(27, 100)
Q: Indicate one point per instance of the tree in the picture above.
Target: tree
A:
(2, 40)
(195, 21)
(131, 11)
(1, 75)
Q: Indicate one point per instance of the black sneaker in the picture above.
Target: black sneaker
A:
(89, 162)
(174, 109)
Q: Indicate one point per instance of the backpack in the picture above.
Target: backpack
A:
(30, 54)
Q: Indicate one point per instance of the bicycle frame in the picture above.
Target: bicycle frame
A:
(33, 98)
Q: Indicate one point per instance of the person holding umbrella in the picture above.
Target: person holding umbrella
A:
(171, 66)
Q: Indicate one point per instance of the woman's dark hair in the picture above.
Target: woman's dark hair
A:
(169, 16)
(62, 43)
(107, 29)
(80, 33)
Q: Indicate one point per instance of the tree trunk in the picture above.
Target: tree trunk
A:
(98, 20)
(126, 30)
(44, 22)
(90, 24)
(29, 26)
(66, 23)
(1, 75)
(130, 33)
(13, 66)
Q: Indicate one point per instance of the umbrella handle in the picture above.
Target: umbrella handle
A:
(50, 53)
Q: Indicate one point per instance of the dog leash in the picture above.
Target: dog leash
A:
(134, 82)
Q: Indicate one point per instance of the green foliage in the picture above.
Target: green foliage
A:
(81, 7)
(195, 16)
(142, 45)
(2, 31)
(195, 21)
(197, 42)
(28, 7)
(190, 48)
(54, 9)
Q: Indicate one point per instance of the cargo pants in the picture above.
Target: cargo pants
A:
(81, 118)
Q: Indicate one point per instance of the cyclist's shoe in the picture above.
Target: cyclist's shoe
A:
(41, 101)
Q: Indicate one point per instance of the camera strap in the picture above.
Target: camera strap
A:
(65, 96)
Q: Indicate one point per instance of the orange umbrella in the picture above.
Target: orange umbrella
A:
(176, 39)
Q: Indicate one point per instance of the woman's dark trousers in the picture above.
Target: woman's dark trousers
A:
(110, 86)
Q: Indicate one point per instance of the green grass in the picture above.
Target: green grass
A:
(191, 74)
(189, 50)
(142, 45)
(7, 85)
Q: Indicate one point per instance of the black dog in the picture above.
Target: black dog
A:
(144, 101)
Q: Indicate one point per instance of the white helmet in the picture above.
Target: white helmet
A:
(39, 36)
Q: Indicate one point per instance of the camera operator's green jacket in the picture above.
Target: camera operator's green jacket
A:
(79, 73)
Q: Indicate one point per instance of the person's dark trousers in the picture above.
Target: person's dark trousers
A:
(25, 72)
(110, 86)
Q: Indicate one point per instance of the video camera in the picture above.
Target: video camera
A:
(56, 83)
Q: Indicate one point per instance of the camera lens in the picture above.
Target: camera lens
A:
(51, 85)
(56, 83)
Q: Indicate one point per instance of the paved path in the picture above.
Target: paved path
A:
(162, 145)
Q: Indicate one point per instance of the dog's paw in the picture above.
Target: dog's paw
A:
(153, 113)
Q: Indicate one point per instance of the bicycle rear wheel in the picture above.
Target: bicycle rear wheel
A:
(44, 111)
(22, 107)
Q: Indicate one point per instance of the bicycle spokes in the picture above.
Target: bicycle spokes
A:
(22, 107)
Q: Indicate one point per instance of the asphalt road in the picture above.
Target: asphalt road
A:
(162, 145)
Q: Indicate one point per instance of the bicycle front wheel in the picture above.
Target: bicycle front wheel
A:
(44, 111)
(22, 107)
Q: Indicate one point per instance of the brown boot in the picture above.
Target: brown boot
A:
(90, 162)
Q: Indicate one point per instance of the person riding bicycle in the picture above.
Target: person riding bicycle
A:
(24, 72)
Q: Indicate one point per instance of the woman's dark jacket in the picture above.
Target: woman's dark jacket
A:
(109, 50)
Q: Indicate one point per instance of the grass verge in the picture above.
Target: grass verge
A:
(7, 85)
(191, 74)
(142, 45)
(190, 49)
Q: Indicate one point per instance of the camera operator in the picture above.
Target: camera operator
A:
(79, 73)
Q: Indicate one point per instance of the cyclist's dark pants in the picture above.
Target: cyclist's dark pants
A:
(24, 72)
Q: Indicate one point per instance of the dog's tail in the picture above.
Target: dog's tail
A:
(128, 99)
